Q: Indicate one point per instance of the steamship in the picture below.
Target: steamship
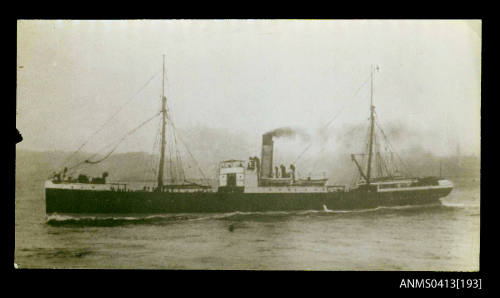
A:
(249, 185)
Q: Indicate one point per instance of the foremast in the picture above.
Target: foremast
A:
(163, 128)
(368, 172)
(370, 148)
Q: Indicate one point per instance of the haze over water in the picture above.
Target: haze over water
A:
(248, 77)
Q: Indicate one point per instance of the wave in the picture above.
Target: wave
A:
(77, 220)
(404, 207)
(108, 220)
(460, 205)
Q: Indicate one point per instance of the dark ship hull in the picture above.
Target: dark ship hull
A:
(123, 202)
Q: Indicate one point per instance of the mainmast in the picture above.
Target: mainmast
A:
(370, 149)
(163, 124)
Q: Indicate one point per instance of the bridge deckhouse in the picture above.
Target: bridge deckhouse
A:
(232, 175)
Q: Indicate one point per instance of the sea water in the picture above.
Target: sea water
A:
(437, 237)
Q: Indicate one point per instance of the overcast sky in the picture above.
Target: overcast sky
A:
(247, 77)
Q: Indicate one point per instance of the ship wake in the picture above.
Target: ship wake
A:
(71, 220)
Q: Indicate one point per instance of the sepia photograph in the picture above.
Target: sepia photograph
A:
(324, 145)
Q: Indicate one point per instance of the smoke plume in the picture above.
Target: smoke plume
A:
(289, 132)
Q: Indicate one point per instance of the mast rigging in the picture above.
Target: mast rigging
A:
(67, 159)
